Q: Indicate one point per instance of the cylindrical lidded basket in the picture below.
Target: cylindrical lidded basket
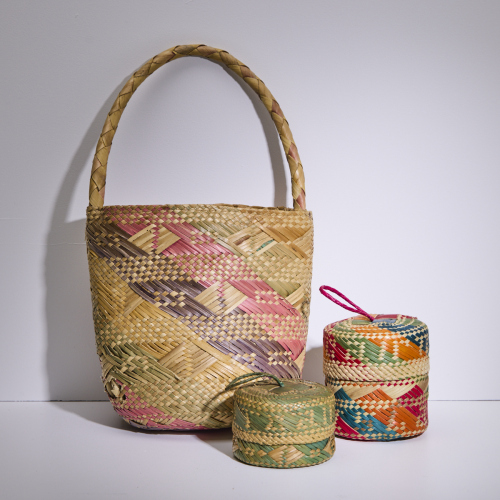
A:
(379, 371)
(187, 297)
(283, 423)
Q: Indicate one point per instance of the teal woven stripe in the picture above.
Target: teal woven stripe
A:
(359, 420)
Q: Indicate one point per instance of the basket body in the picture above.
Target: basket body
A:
(187, 297)
(285, 427)
(379, 373)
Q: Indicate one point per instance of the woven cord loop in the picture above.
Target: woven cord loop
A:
(249, 377)
(100, 163)
(354, 308)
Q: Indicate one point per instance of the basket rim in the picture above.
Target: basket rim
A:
(399, 320)
(320, 394)
(199, 205)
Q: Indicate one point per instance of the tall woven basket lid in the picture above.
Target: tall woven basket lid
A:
(188, 297)
(293, 392)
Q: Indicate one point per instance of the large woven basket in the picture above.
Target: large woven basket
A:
(283, 426)
(188, 297)
(379, 371)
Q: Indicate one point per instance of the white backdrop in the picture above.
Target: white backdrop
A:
(395, 107)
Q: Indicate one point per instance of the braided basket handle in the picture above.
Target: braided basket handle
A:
(99, 165)
(250, 377)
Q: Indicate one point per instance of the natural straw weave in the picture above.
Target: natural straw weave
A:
(379, 373)
(188, 297)
(282, 426)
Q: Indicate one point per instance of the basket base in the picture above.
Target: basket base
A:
(141, 415)
(386, 410)
(167, 428)
(286, 456)
(349, 437)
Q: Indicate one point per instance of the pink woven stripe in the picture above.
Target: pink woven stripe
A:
(131, 228)
(274, 314)
(294, 346)
(212, 267)
(262, 299)
(139, 410)
(345, 430)
(192, 241)
(340, 356)
(414, 394)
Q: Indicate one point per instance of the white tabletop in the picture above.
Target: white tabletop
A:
(76, 450)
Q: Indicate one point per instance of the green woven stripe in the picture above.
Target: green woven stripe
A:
(301, 413)
(361, 348)
(284, 456)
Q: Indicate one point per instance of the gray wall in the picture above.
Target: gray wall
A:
(395, 107)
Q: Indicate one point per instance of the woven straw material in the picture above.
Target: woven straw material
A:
(284, 427)
(382, 411)
(391, 348)
(379, 373)
(188, 297)
(286, 456)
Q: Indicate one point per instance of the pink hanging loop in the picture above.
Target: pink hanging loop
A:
(356, 309)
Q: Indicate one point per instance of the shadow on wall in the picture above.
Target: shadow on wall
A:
(313, 366)
(72, 365)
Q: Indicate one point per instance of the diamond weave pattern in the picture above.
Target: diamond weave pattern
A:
(188, 297)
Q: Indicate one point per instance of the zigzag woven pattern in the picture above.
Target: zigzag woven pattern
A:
(381, 411)
(390, 348)
(379, 372)
(188, 297)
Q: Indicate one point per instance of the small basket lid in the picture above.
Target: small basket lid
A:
(291, 392)
(388, 347)
(373, 347)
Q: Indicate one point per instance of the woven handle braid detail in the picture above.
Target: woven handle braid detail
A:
(99, 165)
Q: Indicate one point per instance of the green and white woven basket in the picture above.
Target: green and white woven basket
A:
(282, 423)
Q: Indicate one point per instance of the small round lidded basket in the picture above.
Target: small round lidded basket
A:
(282, 423)
(378, 368)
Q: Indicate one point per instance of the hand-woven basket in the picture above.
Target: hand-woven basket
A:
(379, 373)
(283, 426)
(378, 368)
(188, 297)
